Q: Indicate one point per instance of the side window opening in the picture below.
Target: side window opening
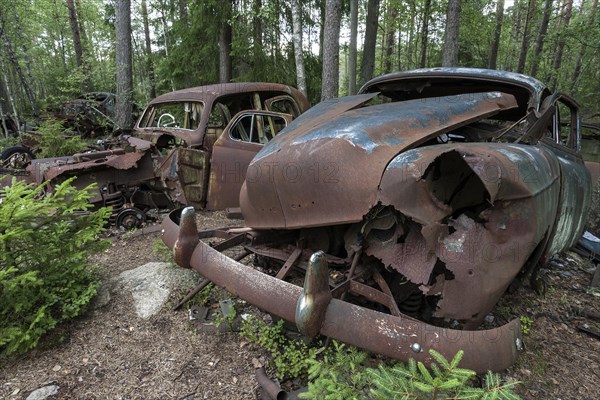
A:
(567, 124)
(257, 128)
(284, 105)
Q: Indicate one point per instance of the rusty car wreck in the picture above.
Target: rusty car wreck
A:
(395, 219)
(183, 149)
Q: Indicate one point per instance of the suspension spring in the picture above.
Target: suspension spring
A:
(116, 201)
(412, 304)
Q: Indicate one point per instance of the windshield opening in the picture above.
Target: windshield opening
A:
(180, 115)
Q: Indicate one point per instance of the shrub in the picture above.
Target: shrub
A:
(342, 374)
(45, 240)
(291, 358)
(54, 140)
(444, 380)
(339, 375)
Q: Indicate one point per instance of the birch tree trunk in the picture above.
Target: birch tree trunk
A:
(353, 47)
(12, 57)
(123, 107)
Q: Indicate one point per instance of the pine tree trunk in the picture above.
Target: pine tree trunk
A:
(564, 23)
(74, 23)
(298, 53)
(412, 45)
(390, 36)
(75, 31)
(149, 62)
(225, 52)
(399, 51)
(353, 47)
(183, 13)
(331, 49)
(367, 64)
(589, 28)
(450, 53)
(257, 30)
(3, 120)
(493, 58)
(541, 37)
(123, 107)
(425, 34)
(525, 41)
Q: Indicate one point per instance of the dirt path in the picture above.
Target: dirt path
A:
(111, 353)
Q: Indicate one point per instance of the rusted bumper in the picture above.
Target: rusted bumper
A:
(397, 337)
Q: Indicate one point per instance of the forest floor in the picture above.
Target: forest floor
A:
(111, 353)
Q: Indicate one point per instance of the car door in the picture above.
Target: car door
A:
(575, 188)
(242, 138)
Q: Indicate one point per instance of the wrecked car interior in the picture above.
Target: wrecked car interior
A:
(189, 147)
(394, 220)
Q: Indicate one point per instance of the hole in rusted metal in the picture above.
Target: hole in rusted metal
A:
(451, 180)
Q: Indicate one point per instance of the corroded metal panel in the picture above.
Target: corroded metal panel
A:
(347, 152)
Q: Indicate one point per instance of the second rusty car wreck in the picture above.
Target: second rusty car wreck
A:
(189, 147)
(395, 219)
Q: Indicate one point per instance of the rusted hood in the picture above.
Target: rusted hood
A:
(325, 168)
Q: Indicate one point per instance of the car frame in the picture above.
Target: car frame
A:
(406, 211)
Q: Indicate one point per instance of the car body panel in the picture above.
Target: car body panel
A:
(348, 150)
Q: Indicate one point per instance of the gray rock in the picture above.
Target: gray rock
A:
(151, 285)
(43, 393)
(102, 297)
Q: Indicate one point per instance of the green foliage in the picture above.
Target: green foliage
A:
(228, 319)
(526, 323)
(54, 140)
(6, 142)
(291, 358)
(444, 380)
(340, 375)
(45, 240)
(162, 251)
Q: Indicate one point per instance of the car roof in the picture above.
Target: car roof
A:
(535, 87)
(210, 92)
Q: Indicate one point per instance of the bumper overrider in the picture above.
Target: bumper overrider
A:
(315, 311)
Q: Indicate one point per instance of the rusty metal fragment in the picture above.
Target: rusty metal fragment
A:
(272, 389)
